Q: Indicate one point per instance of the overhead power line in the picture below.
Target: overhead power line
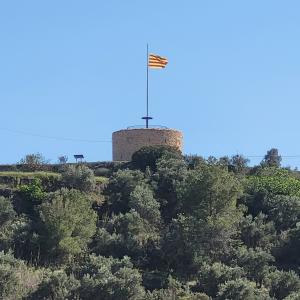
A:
(59, 138)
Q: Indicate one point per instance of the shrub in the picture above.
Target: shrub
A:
(148, 156)
(79, 177)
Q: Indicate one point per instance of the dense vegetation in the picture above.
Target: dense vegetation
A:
(163, 226)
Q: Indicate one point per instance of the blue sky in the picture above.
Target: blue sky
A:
(76, 70)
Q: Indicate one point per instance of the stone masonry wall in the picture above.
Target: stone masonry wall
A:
(127, 141)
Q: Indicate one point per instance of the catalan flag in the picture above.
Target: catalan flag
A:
(157, 62)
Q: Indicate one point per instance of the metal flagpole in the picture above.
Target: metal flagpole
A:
(147, 86)
(147, 118)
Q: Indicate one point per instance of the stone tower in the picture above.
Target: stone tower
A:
(125, 142)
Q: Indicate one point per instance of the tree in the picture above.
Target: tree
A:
(7, 212)
(288, 253)
(109, 279)
(126, 234)
(79, 177)
(143, 202)
(209, 197)
(210, 277)
(258, 232)
(272, 159)
(170, 173)
(148, 156)
(17, 280)
(256, 263)
(119, 188)
(282, 284)
(57, 286)
(69, 222)
(242, 289)
(33, 162)
(238, 164)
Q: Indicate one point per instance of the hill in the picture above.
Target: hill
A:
(163, 226)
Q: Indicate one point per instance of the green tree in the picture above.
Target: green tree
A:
(69, 222)
(256, 263)
(242, 289)
(126, 234)
(288, 253)
(210, 277)
(238, 164)
(118, 191)
(209, 214)
(170, 173)
(57, 286)
(108, 279)
(258, 232)
(148, 156)
(7, 212)
(79, 177)
(17, 280)
(143, 202)
(282, 284)
(272, 159)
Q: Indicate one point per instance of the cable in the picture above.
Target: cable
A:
(107, 141)
(54, 137)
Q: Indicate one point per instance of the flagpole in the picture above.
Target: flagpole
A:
(147, 85)
(147, 118)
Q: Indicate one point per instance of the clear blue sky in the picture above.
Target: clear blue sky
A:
(76, 69)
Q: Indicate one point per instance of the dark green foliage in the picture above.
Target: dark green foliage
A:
(7, 212)
(256, 263)
(238, 164)
(105, 172)
(272, 159)
(148, 156)
(170, 172)
(78, 177)
(69, 222)
(288, 253)
(242, 289)
(171, 227)
(17, 280)
(108, 279)
(258, 232)
(210, 277)
(119, 189)
(143, 202)
(175, 290)
(282, 284)
(57, 286)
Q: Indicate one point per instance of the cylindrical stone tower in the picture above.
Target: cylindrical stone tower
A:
(125, 142)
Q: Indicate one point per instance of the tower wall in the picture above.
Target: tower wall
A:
(126, 142)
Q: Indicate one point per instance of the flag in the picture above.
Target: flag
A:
(157, 62)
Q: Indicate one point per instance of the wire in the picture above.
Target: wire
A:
(54, 137)
(21, 132)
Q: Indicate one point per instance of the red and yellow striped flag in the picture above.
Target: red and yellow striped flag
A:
(157, 62)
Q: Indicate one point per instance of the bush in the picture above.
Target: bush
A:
(69, 223)
(34, 162)
(242, 289)
(79, 177)
(148, 156)
(102, 172)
